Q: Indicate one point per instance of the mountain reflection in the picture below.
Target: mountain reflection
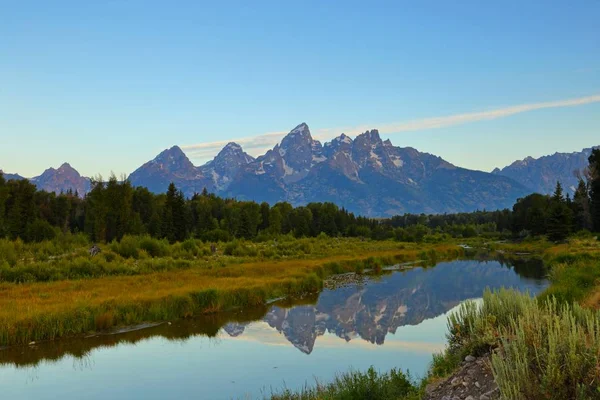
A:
(351, 307)
(371, 308)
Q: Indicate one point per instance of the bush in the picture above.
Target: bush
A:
(127, 247)
(544, 350)
(155, 247)
(40, 230)
(9, 251)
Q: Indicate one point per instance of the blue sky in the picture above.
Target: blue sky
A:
(107, 85)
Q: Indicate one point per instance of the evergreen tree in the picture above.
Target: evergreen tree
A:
(560, 217)
(250, 219)
(594, 184)
(274, 221)
(21, 208)
(581, 207)
(3, 199)
(167, 223)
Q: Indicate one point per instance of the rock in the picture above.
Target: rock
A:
(478, 385)
(470, 398)
(470, 358)
(31, 343)
(484, 397)
(455, 382)
(94, 250)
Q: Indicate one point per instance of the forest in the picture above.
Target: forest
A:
(115, 208)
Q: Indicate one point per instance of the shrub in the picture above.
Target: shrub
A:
(545, 349)
(155, 247)
(127, 247)
(40, 230)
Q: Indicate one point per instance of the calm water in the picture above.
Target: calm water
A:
(397, 320)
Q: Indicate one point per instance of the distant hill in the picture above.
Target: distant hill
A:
(541, 174)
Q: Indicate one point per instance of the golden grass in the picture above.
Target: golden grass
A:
(47, 310)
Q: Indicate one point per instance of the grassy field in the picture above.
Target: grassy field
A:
(46, 310)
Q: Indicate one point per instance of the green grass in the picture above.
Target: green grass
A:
(67, 258)
(354, 385)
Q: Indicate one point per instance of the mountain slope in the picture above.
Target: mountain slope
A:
(366, 175)
(541, 174)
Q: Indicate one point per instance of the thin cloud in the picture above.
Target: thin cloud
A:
(256, 145)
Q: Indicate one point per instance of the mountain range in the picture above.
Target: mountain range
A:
(366, 175)
(541, 174)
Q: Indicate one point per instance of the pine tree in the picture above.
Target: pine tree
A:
(274, 221)
(594, 183)
(3, 198)
(560, 217)
(180, 217)
(581, 207)
(168, 226)
(558, 195)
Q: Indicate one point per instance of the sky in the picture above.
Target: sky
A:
(107, 85)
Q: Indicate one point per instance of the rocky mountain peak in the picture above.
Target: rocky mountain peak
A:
(371, 137)
(63, 179)
(233, 152)
(173, 159)
(66, 168)
(298, 137)
(225, 166)
(368, 150)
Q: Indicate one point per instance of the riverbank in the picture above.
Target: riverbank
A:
(41, 311)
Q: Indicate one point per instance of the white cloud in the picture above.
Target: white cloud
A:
(257, 145)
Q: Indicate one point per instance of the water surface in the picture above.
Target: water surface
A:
(395, 320)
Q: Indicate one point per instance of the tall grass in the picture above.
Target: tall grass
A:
(543, 349)
(369, 385)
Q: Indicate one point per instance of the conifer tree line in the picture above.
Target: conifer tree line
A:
(115, 208)
(559, 215)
